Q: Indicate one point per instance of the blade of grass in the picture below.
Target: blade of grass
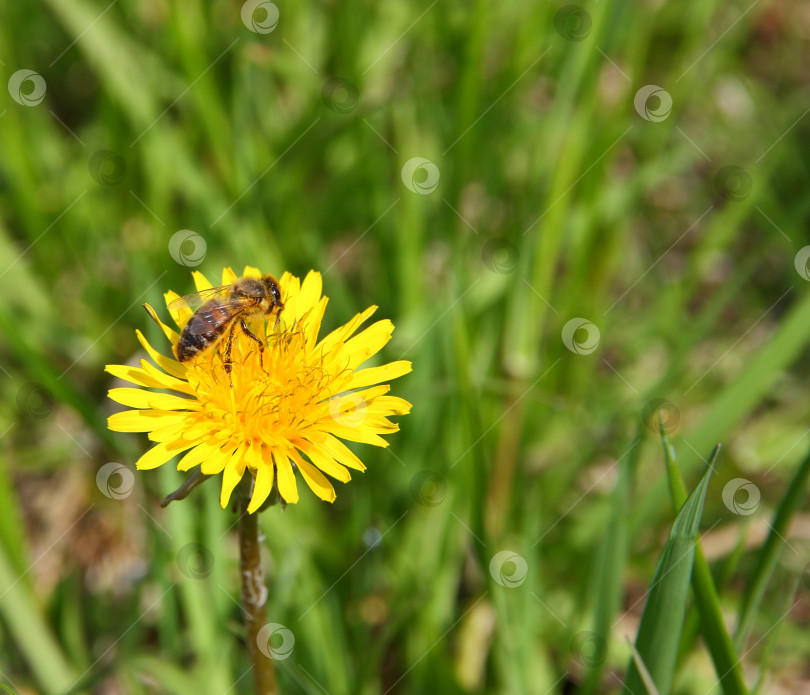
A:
(758, 378)
(724, 656)
(769, 554)
(741, 395)
(649, 685)
(663, 616)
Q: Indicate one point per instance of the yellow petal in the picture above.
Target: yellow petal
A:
(298, 306)
(142, 398)
(251, 272)
(358, 349)
(383, 426)
(200, 281)
(143, 420)
(327, 464)
(170, 333)
(312, 323)
(180, 312)
(228, 276)
(389, 405)
(130, 397)
(286, 478)
(376, 422)
(377, 375)
(312, 285)
(199, 427)
(290, 285)
(261, 487)
(166, 381)
(255, 456)
(311, 291)
(216, 462)
(171, 366)
(359, 434)
(340, 452)
(342, 334)
(352, 409)
(234, 470)
(160, 453)
(315, 479)
(363, 406)
(134, 375)
(175, 430)
(370, 394)
(166, 401)
(197, 455)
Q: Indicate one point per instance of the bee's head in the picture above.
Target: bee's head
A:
(273, 291)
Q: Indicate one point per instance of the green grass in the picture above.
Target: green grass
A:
(556, 200)
(664, 611)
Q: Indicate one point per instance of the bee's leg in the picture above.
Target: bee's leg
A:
(250, 335)
(227, 361)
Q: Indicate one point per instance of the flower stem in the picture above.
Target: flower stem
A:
(254, 597)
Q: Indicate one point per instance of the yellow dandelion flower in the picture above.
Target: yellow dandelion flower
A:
(277, 410)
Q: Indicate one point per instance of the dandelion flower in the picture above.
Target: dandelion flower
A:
(281, 410)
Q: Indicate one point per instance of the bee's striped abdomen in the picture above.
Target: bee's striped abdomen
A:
(203, 330)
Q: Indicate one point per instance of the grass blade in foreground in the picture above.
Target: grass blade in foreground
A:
(642, 669)
(724, 656)
(662, 619)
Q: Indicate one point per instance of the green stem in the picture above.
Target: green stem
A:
(254, 596)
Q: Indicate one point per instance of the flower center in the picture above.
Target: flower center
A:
(270, 395)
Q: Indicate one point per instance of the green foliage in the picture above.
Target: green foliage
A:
(707, 602)
(506, 538)
(665, 608)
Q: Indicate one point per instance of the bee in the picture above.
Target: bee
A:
(221, 310)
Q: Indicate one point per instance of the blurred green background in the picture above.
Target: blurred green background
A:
(486, 173)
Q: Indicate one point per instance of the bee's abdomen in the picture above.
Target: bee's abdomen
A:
(190, 345)
(203, 330)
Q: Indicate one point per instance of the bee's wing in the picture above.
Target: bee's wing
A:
(222, 310)
(197, 299)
